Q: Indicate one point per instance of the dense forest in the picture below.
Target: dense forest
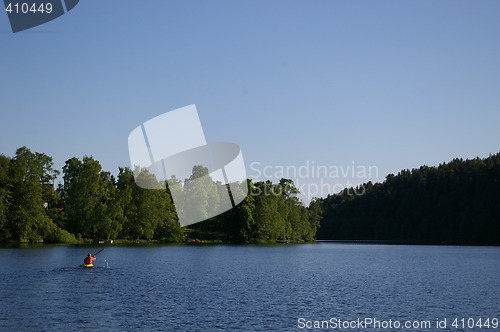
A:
(91, 204)
(455, 203)
(271, 212)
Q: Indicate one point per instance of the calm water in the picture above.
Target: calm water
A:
(250, 288)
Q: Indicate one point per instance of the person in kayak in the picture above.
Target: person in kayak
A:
(89, 260)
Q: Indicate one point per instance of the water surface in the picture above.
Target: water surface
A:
(250, 288)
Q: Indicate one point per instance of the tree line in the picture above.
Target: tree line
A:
(92, 204)
(271, 212)
(455, 203)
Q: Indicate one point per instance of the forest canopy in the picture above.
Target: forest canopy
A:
(455, 203)
(92, 204)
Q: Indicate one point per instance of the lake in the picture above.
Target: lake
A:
(249, 288)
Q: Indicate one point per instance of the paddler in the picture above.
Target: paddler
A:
(89, 259)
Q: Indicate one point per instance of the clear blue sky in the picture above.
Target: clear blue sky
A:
(395, 84)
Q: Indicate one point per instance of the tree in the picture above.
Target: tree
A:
(238, 223)
(314, 214)
(149, 213)
(200, 196)
(269, 212)
(454, 203)
(5, 197)
(91, 200)
(244, 221)
(27, 173)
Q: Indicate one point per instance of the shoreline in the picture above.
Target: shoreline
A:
(215, 243)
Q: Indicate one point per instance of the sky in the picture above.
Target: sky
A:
(386, 84)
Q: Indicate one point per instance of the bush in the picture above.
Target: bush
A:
(58, 235)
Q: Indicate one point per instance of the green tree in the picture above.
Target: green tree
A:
(238, 223)
(169, 229)
(269, 222)
(91, 201)
(27, 219)
(455, 203)
(269, 212)
(314, 214)
(5, 197)
(55, 208)
(200, 196)
(149, 213)
(244, 220)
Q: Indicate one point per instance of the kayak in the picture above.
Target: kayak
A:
(87, 265)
